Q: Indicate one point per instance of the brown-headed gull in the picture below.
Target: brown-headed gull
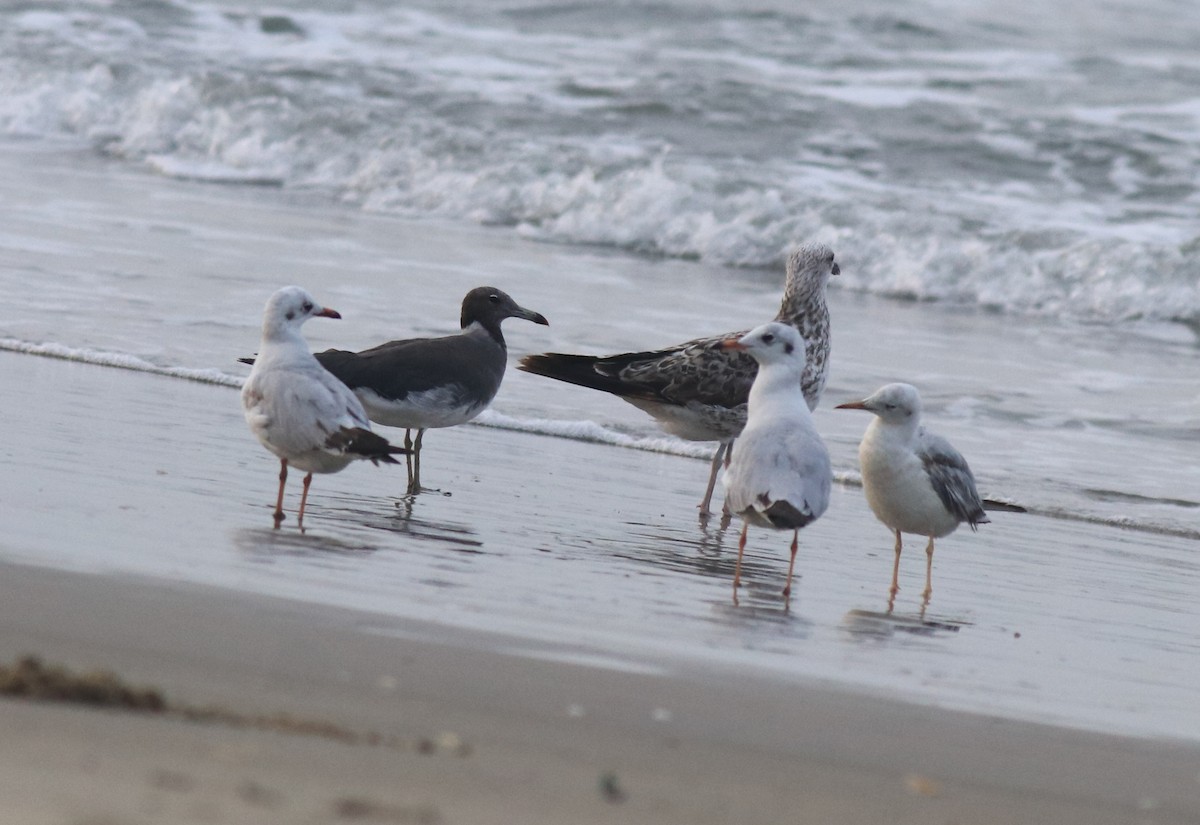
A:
(296, 408)
(697, 390)
(915, 481)
(424, 383)
(779, 476)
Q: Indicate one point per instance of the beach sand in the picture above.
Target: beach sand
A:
(490, 738)
(496, 685)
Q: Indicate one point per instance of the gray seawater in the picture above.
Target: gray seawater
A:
(1023, 157)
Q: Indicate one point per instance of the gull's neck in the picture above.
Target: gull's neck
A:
(894, 434)
(479, 328)
(282, 342)
(803, 298)
(777, 386)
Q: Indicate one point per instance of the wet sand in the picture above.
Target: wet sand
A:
(551, 642)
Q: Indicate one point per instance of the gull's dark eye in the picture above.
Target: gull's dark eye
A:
(768, 338)
(889, 406)
(308, 307)
(495, 299)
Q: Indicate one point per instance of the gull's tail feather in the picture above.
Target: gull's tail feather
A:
(784, 515)
(365, 444)
(581, 370)
(1002, 506)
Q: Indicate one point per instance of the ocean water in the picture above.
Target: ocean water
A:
(1012, 192)
(1023, 158)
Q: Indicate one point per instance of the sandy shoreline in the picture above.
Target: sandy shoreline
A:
(540, 737)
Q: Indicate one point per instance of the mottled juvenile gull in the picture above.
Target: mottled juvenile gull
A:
(697, 390)
(300, 412)
(779, 476)
(915, 481)
(422, 383)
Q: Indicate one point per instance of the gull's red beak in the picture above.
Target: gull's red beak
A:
(732, 343)
(853, 405)
(326, 312)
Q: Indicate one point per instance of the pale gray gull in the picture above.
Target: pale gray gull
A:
(297, 409)
(914, 480)
(423, 383)
(779, 476)
(697, 390)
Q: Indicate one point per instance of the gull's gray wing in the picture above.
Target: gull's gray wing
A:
(951, 478)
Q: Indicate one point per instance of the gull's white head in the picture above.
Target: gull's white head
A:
(894, 403)
(772, 343)
(290, 307)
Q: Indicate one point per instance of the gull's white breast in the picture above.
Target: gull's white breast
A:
(897, 487)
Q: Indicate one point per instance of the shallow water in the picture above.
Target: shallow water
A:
(594, 555)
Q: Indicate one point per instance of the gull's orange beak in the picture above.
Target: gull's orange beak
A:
(853, 405)
(733, 343)
(326, 312)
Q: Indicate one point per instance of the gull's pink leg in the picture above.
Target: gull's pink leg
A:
(787, 591)
(279, 500)
(928, 571)
(737, 570)
(895, 588)
(896, 566)
(303, 501)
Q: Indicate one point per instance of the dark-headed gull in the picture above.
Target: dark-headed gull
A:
(296, 408)
(779, 476)
(423, 383)
(915, 481)
(697, 390)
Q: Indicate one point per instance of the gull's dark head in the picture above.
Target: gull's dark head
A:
(488, 306)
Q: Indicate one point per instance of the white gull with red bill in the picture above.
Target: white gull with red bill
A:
(780, 475)
(296, 408)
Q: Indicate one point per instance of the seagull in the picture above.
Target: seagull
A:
(300, 412)
(697, 390)
(780, 476)
(421, 383)
(915, 481)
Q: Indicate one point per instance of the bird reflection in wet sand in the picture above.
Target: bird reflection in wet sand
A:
(679, 549)
(780, 476)
(871, 624)
(914, 481)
